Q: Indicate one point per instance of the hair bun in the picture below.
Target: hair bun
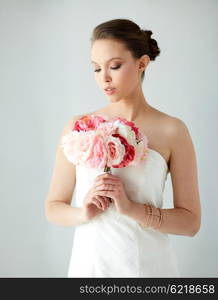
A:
(154, 49)
(148, 32)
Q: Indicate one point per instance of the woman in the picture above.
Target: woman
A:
(113, 238)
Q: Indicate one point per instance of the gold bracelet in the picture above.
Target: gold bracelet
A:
(160, 218)
(154, 216)
(149, 215)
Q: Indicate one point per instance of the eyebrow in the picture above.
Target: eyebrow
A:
(109, 59)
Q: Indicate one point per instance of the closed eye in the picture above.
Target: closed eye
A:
(113, 68)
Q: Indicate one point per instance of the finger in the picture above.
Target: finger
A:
(108, 199)
(108, 180)
(106, 177)
(103, 202)
(97, 203)
(109, 194)
(103, 175)
(104, 187)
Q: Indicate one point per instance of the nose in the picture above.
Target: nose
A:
(106, 76)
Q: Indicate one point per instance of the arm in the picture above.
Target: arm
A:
(185, 217)
(58, 209)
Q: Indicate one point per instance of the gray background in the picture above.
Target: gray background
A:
(46, 78)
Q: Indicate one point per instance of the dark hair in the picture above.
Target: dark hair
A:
(136, 40)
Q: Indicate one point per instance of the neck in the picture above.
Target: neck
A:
(129, 107)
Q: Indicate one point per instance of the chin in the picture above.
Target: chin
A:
(114, 99)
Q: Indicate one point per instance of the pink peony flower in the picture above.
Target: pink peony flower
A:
(97, 157)
(115, 150)
(76, 146)
(88, 122)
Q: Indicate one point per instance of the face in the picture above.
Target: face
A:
(115, 67)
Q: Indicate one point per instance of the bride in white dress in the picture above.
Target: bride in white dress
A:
(110, 239)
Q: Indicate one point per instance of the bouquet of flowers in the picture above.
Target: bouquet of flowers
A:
(95, 142)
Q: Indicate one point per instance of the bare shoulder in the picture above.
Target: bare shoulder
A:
(174, 128)
(179, 142)
(177, 132)
(168, 126)
(165, 133)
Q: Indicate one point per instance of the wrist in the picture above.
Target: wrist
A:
(128, 207)
(135, 210)
(83, 216)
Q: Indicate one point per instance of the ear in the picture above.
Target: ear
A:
(143, 62)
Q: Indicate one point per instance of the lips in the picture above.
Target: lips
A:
(110, 91)
(109, 88)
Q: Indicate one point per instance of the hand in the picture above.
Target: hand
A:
(93, 204)
(108, 185)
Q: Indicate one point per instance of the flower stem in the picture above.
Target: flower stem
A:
(107, 169)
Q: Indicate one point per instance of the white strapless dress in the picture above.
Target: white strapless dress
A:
(115, 245)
